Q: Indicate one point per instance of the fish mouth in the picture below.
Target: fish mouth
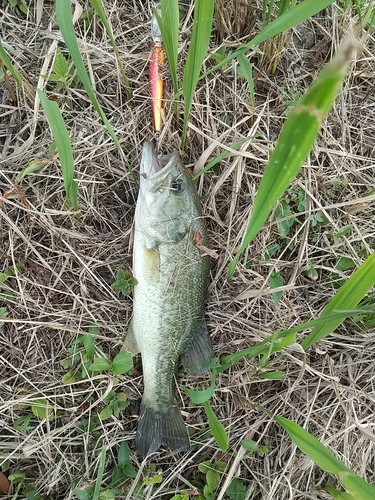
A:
(153, 166)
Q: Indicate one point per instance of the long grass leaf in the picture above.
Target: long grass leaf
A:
(64, 20)
(349, 295)
(8, 63)
(295, 142)
(297, 15)
(200, 38)
(168, 23)
(283, 338)
(216, 427)
(97, 4)
(247, 73)
(317, 452)
(63, 145)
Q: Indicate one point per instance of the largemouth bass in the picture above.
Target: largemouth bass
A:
(168, 311)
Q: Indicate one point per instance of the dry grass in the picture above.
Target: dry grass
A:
(68, 263)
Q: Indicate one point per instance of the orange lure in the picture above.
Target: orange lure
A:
(156, 84)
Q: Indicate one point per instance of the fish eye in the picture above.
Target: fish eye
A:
(178, 186)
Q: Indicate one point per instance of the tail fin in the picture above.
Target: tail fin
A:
(161, 425)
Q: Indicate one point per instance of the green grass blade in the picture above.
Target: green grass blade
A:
(217, 428)
(317, 452)
(63, 145)
(99, 478)
(338, 495)
(8, 63)
(247, 73)
(349, 295)
(283, 338)
(200, 37)
(199, 397)
(97, 4)
(295, 142)
(65, 22)
(297, 15)
(169, 26)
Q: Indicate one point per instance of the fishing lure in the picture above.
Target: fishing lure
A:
(156, 81)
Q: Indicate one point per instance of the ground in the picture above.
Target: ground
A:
(63, 264)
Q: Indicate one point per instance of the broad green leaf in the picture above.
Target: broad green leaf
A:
(317, 452)
(344, 230)
(199, 397)
(42, 409)
(345, 263)
(247, 72)
(8, 63)
(200, 37)
(216, 427)
(100, 365)
(296, 140)
(122, 363)
(129, 471)
(63, 145)
(65, 22)
(348, 297)
(97, 4)
(60, 65)
(276, 281)
(236, 490)
(123, 454)
(213, 479)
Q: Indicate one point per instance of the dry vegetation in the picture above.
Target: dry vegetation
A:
(68, 263)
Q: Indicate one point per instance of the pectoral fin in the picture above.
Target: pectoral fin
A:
(130, 343)
(196, 358)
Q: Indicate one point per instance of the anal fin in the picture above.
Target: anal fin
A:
(196, 358)
(130, 343)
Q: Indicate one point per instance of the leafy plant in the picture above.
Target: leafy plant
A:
(114, 404)
(289, 99)
(21, 4)
(61, 74)
(213, 473)
(122, 363)
(123, 283)
(81, 355)
(23, 487)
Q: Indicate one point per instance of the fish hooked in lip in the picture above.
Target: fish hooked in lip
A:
(168, 322)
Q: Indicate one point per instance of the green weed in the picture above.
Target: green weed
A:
(20, 4)
(123, 283)
(23, 487)
(61, 72)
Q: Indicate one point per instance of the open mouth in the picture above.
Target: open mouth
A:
(153, 166)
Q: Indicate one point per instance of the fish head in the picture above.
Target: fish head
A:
(167, 202)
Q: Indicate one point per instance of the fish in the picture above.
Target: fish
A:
(168, 323)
